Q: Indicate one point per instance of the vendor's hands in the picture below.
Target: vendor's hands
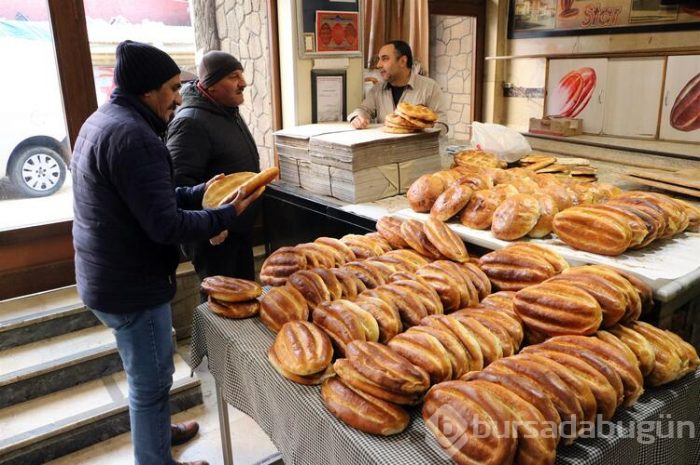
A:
(241, 203)
(214, 179)
(219, 238)
(359, 122)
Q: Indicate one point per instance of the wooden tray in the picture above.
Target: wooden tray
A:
(689, 177)
(662, 185)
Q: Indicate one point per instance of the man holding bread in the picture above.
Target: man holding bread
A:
(401, 84)
(208, 136)
(129, 218)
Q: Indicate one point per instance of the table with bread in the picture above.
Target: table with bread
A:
(384, 347)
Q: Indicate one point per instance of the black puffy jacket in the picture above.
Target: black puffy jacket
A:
(129, 217)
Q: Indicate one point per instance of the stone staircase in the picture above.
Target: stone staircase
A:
(62, 387)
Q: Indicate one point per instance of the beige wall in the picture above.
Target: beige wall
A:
(530, 72)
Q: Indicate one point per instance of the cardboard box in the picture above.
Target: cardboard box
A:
(556, 126)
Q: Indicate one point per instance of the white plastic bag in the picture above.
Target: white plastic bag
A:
(509, 145)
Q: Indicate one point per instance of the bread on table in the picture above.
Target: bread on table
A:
(281, 264)
(423, 291)
(501, 301)
(446, 241)
(456, 352)
(343, 250)
(591, 230)
(226, 289)
(548, 208)
(424, 191)
(668, 362)
(447, 406)
(311, 286)
(478, 212)
(414, 235)
(489, 343)
(643, 350)
(451, 202)
(464, 335)
(514, 268)
(358, 382)
(341, 324)
(390, 228)
(515, 217)
(350, 285)
(425, 351)
(309, 380)
(280, 305)
(302, 348)
(554, 259)
(317, 255)
(361, 410)
(387, 316)
(370, 276)
(234, 310)
(508, 322)
(554, 309)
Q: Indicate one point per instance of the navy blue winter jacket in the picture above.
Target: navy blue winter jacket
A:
(129, 217)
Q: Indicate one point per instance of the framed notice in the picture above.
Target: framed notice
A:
(337, 32)
(528, 18)
(328, 96)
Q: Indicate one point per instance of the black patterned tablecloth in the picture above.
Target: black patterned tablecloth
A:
(305, 433)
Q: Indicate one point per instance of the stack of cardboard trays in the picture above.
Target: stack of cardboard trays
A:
(370, 164)
(293, 149)
(355, 165)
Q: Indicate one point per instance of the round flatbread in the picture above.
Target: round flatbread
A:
(415, 121)
(417, 111)
(219, 190)
(396, 121)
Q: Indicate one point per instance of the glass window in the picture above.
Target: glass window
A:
(35, 184)
(34, 179)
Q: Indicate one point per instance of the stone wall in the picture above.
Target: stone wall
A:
(451, 59)
(242, 30)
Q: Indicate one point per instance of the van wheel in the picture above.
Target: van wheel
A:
(38, 171)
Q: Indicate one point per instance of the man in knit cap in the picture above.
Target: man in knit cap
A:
(129, 218)
(208, 136)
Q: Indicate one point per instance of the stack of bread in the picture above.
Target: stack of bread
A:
(408, 118)
(578, 168)
(302, 353)
(630, 220)
(232, 297)
(520, 265)
(518, 202)
(566, 380)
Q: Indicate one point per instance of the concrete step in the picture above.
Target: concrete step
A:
(38, 316)
(62, 422)
(36, 369)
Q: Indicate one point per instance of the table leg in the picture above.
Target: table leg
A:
(224, 426)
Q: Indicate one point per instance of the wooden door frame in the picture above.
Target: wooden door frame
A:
(476, 9)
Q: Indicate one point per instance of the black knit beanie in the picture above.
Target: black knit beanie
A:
(215, 66)
(141, 67)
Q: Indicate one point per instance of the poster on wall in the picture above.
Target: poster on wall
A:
(337, 32)
(537, 18)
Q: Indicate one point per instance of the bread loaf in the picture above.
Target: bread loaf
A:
(424, 191)
(515, 217)
(234, 310)
(408, 304)
(280, 305)
(317, 255)
(387, 316)
(554, 259)
(448, 411)
(489, 343)
(425, 351)
(612, 300)
(585, 228)
(554, 309)
(446, 241)
(382, 365)
(510, 323)
(422, 290)
(363, 411)
(341, 324)
(370, 276)
(310, 380)
(464, 335)
(343, 250)
(478, 213)
(390, 228)
(361, 246)
(409, 260)
(456, 352)
(548, 208)
(668, 364)
(226, 289)
(638, 344)
(513, 269)
(500, 301)
(302, 348)
(350, 285)
(640, 231)
(605, 394)
(624, 363)
(281, 264)
(414, 235)
(451, 202)
(311, 286)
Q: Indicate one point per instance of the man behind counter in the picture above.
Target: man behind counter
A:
(208, 136)
(400, 84)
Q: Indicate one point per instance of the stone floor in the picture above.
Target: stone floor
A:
(251, 446)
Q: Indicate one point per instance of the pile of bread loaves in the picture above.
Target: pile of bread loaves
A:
(519, 202)
(408, 118)
(232, 297)
(378, 319)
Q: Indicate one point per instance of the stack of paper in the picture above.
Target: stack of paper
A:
(293, 148)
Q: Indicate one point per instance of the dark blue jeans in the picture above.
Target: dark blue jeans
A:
(144, 340)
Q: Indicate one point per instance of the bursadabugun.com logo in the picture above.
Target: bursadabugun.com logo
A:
(455, 431)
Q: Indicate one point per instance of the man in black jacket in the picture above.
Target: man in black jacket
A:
(208, 136)
(128, 220)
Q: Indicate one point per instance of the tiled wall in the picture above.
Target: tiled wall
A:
(451, 48)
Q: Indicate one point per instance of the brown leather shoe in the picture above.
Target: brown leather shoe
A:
(198, 462)
(180, 433)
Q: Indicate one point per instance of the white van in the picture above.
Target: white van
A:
(34, 152)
